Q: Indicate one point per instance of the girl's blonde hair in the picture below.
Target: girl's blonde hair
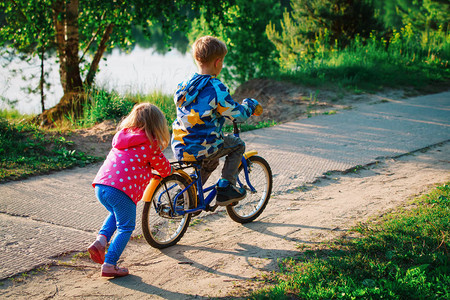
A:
(151, 119)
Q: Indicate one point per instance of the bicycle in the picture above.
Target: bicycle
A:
(170, 202)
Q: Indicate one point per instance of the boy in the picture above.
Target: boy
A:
(203, 102)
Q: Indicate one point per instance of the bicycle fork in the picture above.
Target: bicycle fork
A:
(246, 167)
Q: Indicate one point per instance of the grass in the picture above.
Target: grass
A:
(403, 255)
(358, 71)
(27, 150)
(403, 61)
(23, 276)
(248, 127)
(13, 114)
(196, 222)
(105, 105)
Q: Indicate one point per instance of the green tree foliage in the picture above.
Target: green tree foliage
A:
(34, 40)
(423, 15)
(424, 23)
(81, 31)
(242, 28)
(334, 23)
(157, 42)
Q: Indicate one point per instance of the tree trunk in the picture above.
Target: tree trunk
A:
(74, 82)
(66, 108)
(58, 22)
(42, 81)
(98, 55)
(67, 40)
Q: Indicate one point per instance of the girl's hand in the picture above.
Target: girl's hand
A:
(156, 175)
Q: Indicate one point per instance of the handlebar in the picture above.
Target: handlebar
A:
(258, 111)
(235, 127)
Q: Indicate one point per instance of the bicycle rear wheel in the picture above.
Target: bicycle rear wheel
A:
(161, 225)
(260, 175)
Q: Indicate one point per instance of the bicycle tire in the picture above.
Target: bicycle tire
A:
(251, 207)
(160, 228)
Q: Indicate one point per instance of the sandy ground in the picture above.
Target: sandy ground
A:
(218, 258)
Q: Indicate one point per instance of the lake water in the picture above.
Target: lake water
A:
(142, 70)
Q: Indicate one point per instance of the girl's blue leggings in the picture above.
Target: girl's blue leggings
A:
(122, 217)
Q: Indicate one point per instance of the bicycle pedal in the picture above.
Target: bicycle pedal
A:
(233, 203)
(196, 213)
(211, 208)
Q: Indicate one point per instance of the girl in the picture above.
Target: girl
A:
(120, 182)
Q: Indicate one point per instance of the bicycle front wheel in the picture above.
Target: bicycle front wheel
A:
(260, 177)
(161, 225)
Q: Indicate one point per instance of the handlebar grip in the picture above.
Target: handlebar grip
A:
(258, 110)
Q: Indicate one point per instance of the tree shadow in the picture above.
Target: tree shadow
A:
(246, 250)
(135, 283)
(297, 227)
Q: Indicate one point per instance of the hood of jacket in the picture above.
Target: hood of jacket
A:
(127, 138)
(188, 90)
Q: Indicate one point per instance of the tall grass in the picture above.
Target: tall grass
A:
(404, 255)
(13, 114)
(104, 105)
(405, 59)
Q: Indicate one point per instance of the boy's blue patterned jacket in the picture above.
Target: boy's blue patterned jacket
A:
(203, 102)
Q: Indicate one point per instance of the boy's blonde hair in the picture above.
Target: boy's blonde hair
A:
(151, 119)
(208, 48)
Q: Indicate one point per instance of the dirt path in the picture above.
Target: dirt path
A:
(218, 257)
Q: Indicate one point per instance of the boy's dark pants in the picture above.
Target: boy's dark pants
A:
(233, 148)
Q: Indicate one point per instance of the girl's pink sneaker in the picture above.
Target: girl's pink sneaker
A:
(113, 271)
(97, 252)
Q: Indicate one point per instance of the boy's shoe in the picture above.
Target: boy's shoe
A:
(113, 271)
(229, 194)
(97, 252)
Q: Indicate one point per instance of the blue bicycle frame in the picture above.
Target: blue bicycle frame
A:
(202, 202)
